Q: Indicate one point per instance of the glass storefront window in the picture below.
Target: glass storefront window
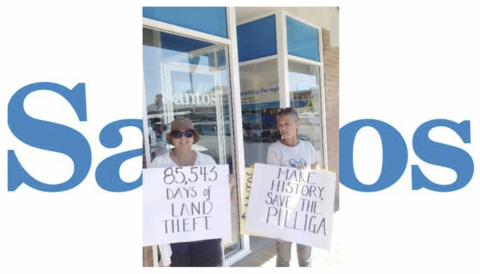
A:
(186, 77)
(257, 39)
(302, 40)
(211, 20)
(305, 98)
(260, 103)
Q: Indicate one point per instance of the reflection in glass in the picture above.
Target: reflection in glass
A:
(305, 98)
(260, 103)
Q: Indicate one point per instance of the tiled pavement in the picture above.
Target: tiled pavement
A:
(264, 253)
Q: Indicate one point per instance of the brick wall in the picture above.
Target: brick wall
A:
(331, 66)
(147, 256)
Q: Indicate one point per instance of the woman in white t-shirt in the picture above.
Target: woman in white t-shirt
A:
(291, 152)
(197, 253)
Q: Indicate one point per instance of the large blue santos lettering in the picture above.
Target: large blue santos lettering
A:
(63, 139)
(49, 136)
(108, 171)
(442, 155)
(395, 155)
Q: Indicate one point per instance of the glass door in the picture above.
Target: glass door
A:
(186, 77)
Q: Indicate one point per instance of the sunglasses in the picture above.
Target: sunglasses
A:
(179, 134)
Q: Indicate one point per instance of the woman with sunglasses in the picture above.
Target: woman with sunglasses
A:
(291, 152)
(198, 253)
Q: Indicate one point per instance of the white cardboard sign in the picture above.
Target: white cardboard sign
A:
(291, 204)
(184, 204)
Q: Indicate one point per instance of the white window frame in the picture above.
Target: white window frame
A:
(284, 57)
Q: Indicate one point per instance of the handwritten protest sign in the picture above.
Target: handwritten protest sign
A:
(291, 204)
(184, 204)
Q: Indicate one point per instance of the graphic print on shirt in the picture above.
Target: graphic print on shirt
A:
(296, 164)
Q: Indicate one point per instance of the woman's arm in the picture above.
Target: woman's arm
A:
(315, 166)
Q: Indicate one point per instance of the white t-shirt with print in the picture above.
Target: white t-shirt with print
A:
(164, 160)
(303, 154)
